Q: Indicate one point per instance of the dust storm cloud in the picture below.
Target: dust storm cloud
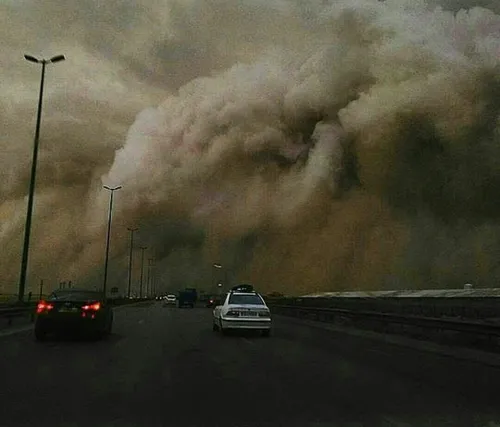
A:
(306, 146)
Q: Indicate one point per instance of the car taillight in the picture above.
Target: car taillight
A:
(233, 313)
(264, 313)
(43, 306)
(92, 307)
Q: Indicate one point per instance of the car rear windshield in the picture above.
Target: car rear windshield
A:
(245, 299)
(74, 296)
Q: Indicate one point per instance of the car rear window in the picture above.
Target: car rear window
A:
(245, 299)
(74, 296)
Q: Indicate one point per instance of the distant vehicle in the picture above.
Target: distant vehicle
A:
(187, 297)
(169, 300)
(73, 310)
(242, 308)
(211, 302)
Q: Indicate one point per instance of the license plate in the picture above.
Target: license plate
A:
(68, 310)
(249, 314)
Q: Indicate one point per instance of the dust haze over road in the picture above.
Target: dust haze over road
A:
(308, 146)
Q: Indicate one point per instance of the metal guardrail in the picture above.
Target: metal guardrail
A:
(473, 308)
(9, 313)
(330, 314)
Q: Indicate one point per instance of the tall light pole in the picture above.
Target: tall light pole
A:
(142, 248)
(31, 194)
(153, 279)
(112, 191)
(152, 275)
(220, 267)
(148, 283)
(132, 230)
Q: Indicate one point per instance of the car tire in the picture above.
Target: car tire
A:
(266, 333)
(221, 329)
(40, 334)
(215, 328)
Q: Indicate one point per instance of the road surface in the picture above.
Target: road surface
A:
(165, 367)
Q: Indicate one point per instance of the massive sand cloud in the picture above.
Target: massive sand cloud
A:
(327, 145)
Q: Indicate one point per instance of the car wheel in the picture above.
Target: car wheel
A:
(40, 334)
(266, 333)
(215, 328)
(221, 329)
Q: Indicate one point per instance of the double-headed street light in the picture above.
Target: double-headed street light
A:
(29, 214)
(112, 190)
(52, 60)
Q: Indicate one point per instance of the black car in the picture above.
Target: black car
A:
(73, 310)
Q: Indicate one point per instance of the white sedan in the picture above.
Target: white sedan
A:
(169, 300)
(242, 310)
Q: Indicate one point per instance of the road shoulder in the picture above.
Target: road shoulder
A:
(478, 356)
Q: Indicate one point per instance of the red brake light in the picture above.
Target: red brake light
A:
(94, 307)
(43, 306)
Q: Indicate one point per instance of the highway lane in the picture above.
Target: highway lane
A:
(165, 367)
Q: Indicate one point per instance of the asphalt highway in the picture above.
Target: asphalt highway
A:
(166, 367)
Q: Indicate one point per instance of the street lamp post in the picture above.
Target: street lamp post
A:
(142, 248)
(153, 280)
(148, 281)
(31, 194)
(220, 267)
(151, 275)
(132, 230)
(112, 191)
